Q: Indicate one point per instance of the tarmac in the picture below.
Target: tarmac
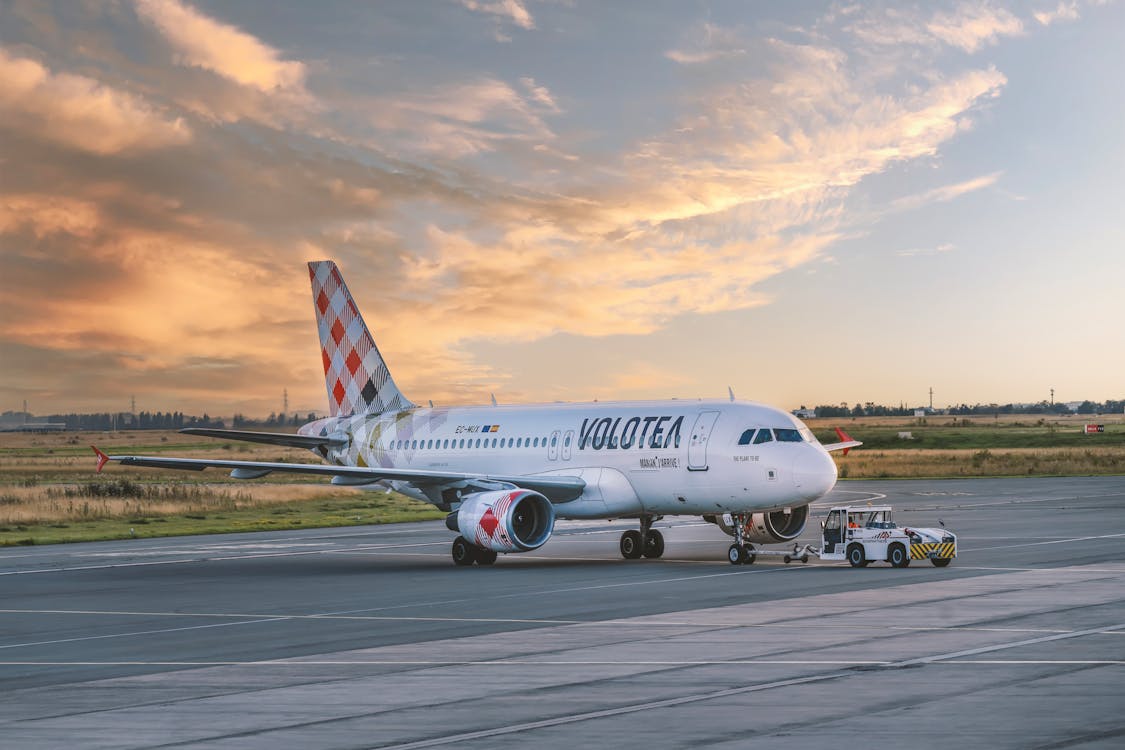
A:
(370, 637)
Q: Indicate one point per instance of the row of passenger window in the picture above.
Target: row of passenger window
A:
(471, 443)
(757, 437)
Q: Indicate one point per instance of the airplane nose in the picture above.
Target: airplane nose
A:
(814, 472)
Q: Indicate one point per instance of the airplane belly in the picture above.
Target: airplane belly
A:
(608, 494)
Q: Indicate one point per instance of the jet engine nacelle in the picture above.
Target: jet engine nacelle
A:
(505, 520)
(768, 528)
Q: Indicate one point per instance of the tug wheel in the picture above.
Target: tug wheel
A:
(856, 557)
(897, 556)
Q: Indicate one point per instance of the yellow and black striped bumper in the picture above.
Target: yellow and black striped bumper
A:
(933, 549)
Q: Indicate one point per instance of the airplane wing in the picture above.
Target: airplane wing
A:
(272, 438)
(846, 443)
(557, 489)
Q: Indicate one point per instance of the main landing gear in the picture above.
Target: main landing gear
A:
(740, 553)
(633, 549)
(465, 553)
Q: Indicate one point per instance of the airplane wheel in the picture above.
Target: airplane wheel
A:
(897, 556)
(631, 545)
(463, 552)
(856, 558)
(735, 553)
(748, 556)
(654, 544)
(486, 556)
(941, 562)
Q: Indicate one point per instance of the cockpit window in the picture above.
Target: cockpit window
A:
(788, 436)
(746, 437)
(763, 436)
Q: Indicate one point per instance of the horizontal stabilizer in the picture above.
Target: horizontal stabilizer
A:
(272, 438)
(846, 443)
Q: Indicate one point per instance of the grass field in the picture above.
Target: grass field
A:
(1018, 445)
(49, 491)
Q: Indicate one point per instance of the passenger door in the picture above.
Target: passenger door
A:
(700, 436)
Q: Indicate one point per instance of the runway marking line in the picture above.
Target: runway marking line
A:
(538, 663)
(258, 619)
(1053, 541)
(708, 696)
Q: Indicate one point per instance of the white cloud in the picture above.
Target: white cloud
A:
(80, 112)
(973, 25)
(945, 247)
(946, 193)
(512, 11)
(221, 48)
(1064, 11)
(468, 118)
(707, 43)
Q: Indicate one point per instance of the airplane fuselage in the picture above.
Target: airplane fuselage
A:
(649, 457)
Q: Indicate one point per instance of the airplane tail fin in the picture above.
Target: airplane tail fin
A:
(355, 374)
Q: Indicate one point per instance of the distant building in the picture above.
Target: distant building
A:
(804, 413)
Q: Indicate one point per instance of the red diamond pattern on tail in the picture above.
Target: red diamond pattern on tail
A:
(489, 522)
(353, 362)
(355, 374)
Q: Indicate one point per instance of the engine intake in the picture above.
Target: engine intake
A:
(768, 528)
(505, 520)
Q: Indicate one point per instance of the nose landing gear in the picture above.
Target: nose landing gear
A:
(740, 553)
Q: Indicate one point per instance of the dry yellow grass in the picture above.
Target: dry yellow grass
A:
(908, 463)
(51, 478)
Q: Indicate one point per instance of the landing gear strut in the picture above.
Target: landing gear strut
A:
(466, 554)
(740, 553)
(648, 542)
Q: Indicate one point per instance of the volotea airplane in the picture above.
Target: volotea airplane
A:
(505, 473)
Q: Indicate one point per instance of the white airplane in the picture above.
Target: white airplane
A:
(505, 473)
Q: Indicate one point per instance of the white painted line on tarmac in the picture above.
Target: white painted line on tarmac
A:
(548, 663)
(717, 694)
(646, 622)
(1012, 644)
(221, 558)
(1039, 544)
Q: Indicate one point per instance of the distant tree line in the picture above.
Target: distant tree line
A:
(240, 421)
(871, 409)
(144, 420)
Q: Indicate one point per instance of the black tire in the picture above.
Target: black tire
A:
(941, 562)
(735, 554)
(654, 544)
(631, 545)
(463, 553)
(896, 556)
(856, 557)
(486, 556)
(748, 556)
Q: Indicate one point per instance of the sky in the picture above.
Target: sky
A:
(808, 202)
